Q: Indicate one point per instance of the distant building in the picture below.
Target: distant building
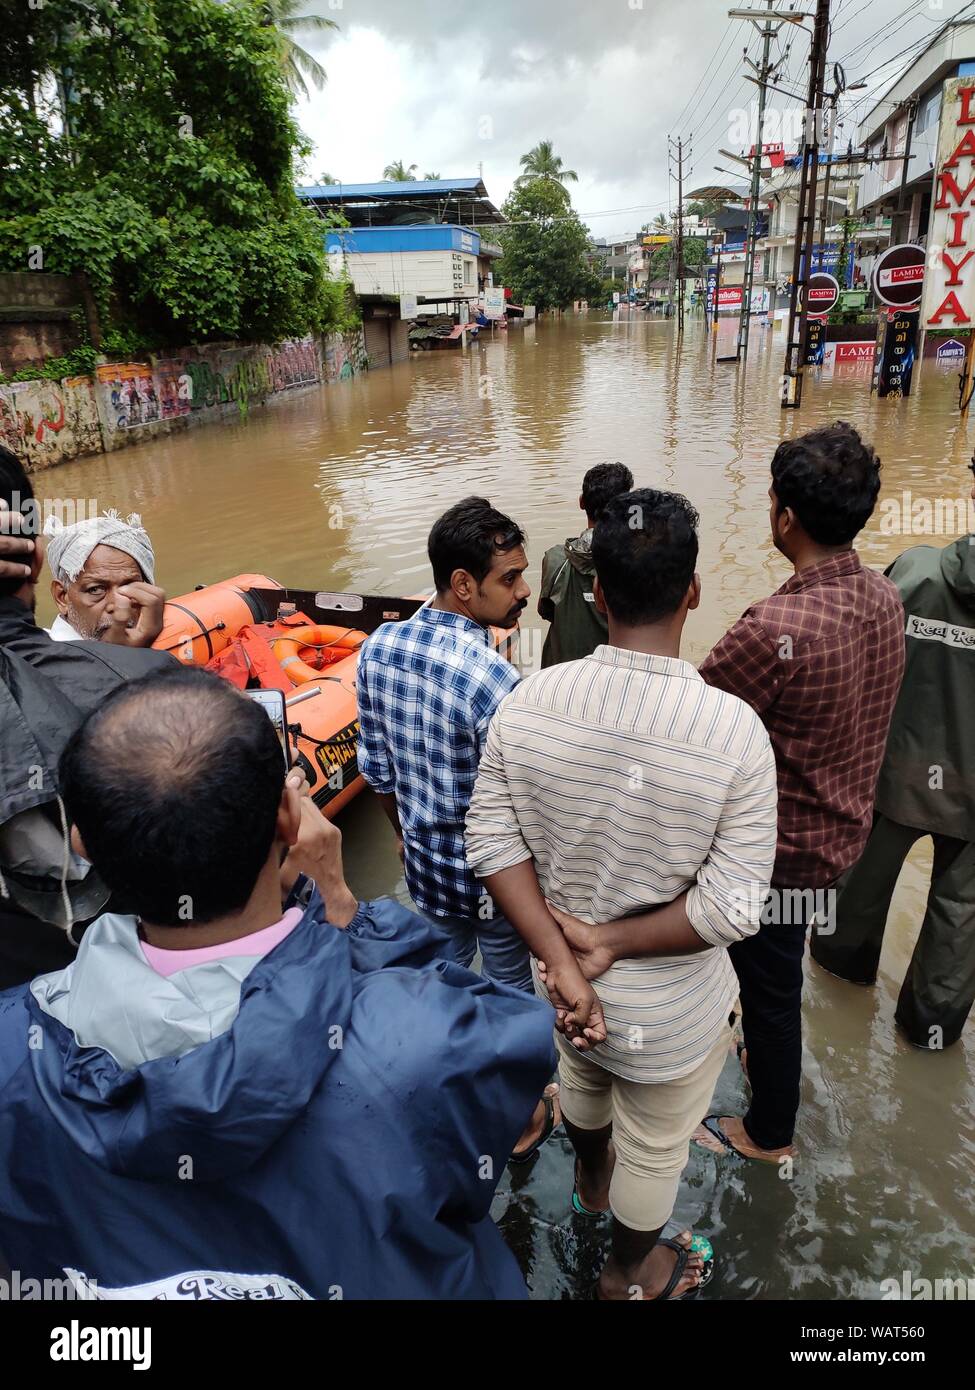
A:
(779, 245)
(899, 134)
(613, 256)
(429, 239)
(439, 264)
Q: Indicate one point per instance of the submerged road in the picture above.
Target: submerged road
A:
(337, 488)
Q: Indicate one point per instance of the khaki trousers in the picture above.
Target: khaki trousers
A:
(652, 1126)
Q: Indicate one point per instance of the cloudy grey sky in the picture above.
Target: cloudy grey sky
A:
(452, 85)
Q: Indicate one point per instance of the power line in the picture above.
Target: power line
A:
(690, 101)
(888, 30)
(914, 49)
(730, 79)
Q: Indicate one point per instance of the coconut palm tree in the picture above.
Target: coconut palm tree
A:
(543, 163)
(398, 172)
(431, 176)
(296, 62)
(325, 179)
(662, 222)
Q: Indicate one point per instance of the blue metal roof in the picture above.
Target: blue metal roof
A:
(334, 192)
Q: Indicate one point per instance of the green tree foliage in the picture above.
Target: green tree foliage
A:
(546, 253)
(399, 173)
(695, 257)
(171, 184)
(542, 163)
(296, 62)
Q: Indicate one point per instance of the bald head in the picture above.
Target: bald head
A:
(174, 785)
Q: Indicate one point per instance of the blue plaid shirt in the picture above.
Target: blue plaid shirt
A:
(427, 688)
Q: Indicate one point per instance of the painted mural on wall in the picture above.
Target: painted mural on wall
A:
(49, 422)
(52, 420)
(345, 355)
(130, 395)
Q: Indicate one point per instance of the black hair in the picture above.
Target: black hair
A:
(16, 491)
(467, 537)
(644, 547)
(174, 784)
(830, 479)
(602, 483)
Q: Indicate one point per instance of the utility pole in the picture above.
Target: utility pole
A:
(806, 214)
(765, 72)
(680, 238)
(677, 243)
(839, 88)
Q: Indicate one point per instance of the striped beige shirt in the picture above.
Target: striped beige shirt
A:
(628, 780)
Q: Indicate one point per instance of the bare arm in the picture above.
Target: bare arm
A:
(663, 931)
(317, 852)
(517, 894)
(498, 855)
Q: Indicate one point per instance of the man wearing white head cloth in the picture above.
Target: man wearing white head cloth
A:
(103, 584)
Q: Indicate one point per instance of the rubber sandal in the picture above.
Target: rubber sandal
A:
(700, 1245)
(577, 1206)
(712, 1123)
(528, 1154)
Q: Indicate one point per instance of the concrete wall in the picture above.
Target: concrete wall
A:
(35, 318)
(49, 422)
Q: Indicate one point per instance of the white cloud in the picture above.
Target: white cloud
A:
(453, 84)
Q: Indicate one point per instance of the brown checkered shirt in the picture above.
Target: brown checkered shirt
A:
(821, 663)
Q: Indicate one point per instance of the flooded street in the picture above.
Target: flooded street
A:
(885, 1181)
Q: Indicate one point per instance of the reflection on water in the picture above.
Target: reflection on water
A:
(886, 1178)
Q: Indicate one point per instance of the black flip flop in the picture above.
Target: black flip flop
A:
(712, 1123)
(684, 1253)
(528, 1154)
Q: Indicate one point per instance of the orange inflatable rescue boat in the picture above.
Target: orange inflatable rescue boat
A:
(259, 635)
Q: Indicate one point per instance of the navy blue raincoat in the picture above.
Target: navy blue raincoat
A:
(343, 1138)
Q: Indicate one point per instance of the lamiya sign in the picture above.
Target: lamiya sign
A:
(949, 292)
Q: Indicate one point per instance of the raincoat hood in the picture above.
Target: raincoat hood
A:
(958, 569)
(215, 1061)
(578, 552)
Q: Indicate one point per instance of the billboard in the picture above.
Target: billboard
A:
(898, 276)
(494, 302)
(949, 290)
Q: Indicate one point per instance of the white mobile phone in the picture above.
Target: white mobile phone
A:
(273, 705)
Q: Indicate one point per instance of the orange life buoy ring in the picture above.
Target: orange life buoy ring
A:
(287, 649)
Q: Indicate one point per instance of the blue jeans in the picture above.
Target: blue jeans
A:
(504, 956)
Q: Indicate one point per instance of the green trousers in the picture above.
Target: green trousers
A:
(939, 987)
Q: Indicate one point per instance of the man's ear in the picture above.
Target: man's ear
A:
(694, 593)
(598, 596)
(77, 843)
(59, 593)
(463, 585)
(289, 815)
(582, 504)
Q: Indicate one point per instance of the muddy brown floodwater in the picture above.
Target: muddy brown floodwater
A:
(886, 1175)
